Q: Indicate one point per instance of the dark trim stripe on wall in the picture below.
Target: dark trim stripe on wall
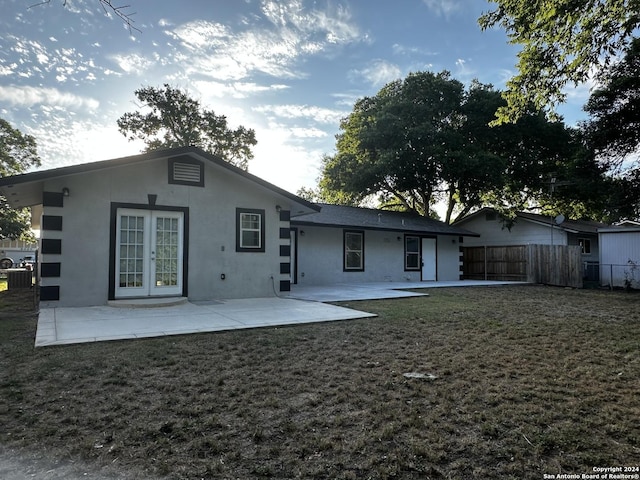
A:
(51, 246)
(50, 269)
(52, 222)
(285, 215)
(285, 268)
(50, 293)
(52, 199)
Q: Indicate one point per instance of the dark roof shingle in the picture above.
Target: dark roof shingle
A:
(371, 219)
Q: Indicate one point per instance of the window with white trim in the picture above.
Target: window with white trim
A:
(249, 230)
(354, 251)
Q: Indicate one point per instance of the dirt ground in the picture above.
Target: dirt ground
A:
(513, 382)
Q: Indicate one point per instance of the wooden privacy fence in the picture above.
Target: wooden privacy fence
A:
(548, 264)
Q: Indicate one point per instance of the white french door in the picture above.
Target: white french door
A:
(149, 247)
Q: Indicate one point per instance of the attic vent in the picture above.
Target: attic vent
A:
(186, 171)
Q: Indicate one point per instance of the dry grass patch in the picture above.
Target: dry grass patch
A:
(530, 380)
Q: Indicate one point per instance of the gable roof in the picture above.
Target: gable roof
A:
(341, 216)
(25, 189)
(570, 226)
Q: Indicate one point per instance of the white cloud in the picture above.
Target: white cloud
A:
(331, 26)
(90, 141)
(411, 51)
(36, 61)
(29, 96)
(346, 99)
(308, 132)
(238, 90)
(292, 32)
(464, 72)
(444, 7)
(317, 114)
(377, 73)
(132, 63)
(7, 70)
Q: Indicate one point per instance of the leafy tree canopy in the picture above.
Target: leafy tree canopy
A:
(426, 139)
(18, 153)
(174, 119)
(562, 40)
(613, 130)
(614, 109)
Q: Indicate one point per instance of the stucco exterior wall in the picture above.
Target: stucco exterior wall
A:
(211, 239)
(449, 265)
(493, 233)
(321, 251)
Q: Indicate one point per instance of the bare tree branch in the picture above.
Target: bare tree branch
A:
(107, 5)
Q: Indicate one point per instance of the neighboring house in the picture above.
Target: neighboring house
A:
(530, 229)
(620, 256)
(177, 222)
(534, 229)
(15, 251)
(184, 223)
(342, 244)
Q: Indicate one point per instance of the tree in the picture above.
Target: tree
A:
(425, 139)
(613, 128)
(613, 131)
(562, 41)
(391, 144)
(177, 120)
(18, 153)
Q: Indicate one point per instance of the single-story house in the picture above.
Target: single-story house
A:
(176, 222)
(184, 223)
(620, 256)
(532, 229)
(341, 244)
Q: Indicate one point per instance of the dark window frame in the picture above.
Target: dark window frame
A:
(239, 229)
(417, 268)
(345, 267)
(585, 245)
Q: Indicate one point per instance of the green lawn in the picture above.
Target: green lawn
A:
(529, 381)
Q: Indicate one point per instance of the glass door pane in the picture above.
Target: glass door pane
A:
(132, 264)
(167, 238)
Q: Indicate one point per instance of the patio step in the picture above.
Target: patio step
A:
(148, 302)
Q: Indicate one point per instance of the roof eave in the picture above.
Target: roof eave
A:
(40, 176)
(405, 229)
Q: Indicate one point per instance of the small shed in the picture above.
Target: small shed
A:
(620, 256)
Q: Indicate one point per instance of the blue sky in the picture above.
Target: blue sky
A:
(288, 69)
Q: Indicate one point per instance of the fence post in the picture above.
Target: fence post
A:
(611, 277)
(485, 263)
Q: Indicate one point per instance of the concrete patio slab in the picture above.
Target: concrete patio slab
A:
(343, 292)
(139, 319)
(60, 326)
